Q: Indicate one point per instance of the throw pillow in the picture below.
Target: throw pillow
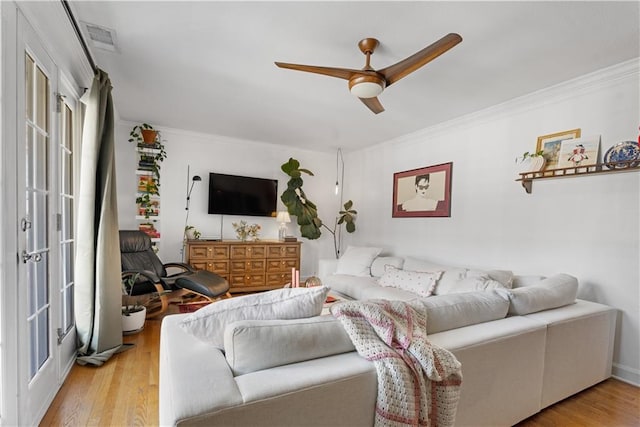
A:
(356, 261)
(208, 323)
(420, 283)
(448, 280)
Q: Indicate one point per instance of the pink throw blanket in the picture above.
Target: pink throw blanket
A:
(418, 382)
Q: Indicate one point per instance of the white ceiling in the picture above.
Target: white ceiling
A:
(209, 66)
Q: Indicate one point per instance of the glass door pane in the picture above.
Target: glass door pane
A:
(66, 220)
(35, 225)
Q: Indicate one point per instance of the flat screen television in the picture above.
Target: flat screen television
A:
(242, 195)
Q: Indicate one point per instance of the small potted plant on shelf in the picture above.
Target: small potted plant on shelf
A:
(144, 133)
(133, 313)
(191, 233)
(531, 162)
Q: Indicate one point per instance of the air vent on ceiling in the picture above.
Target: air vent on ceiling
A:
(101, 37)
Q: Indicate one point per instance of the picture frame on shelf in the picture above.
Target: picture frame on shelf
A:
(551, 144)
(423, 192)
(579, 152)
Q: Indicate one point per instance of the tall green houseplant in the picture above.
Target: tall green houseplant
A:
(306, 212)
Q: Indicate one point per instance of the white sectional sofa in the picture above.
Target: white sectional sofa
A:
(524, 344)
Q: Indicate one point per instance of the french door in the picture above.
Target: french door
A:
(44, 205)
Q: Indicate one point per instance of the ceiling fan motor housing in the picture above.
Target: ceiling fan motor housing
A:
(366, 85)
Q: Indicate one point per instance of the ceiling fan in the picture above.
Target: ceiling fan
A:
(368, 83)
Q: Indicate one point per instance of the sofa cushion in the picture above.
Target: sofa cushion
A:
(357, 260)
(252, 345)
(478, 283)
(365, 288)
(209, 322)
(552, 292)
(529, 280)
(378, 265)
(453, 278)
(504, 277)
(450, 275)
(420, 283)
(451, 311)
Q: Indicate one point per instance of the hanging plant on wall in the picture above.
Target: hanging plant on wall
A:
(152, 154)
(156, 154)
(306, 212)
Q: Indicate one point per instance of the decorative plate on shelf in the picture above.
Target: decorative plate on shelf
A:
(622, 151)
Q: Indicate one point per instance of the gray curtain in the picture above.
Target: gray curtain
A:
(98, 297)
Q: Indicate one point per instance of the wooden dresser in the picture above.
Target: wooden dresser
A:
(248, 266)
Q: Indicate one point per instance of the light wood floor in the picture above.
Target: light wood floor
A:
(124, 392)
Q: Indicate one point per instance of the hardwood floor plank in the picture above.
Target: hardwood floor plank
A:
(124, 392)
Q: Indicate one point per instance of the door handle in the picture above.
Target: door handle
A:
(31, 256)
(25, 224)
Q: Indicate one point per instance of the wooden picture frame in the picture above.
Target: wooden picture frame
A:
(551, 145)
(423, 192)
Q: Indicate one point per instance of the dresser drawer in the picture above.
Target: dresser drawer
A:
(248, 265)
(283, 251)
(246, 279)
(248, 251)
(208, 252)
(278, 279)
(281, 265)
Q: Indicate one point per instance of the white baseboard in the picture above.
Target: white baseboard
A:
(626, 374)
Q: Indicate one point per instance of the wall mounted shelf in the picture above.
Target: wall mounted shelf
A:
(527, 178)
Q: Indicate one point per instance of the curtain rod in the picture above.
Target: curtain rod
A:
(76, 27)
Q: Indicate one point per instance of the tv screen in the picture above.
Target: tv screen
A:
(242, 195)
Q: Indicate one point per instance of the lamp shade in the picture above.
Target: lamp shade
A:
(283, 217)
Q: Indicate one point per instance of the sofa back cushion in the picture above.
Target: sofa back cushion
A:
(460, 279)
(379, 264)
(451, 311)
(555, 291)
(208, 323)
(357, 260)
(252, 345)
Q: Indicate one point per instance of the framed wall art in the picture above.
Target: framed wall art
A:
(551, 145)
(579, 152)
(423, 192)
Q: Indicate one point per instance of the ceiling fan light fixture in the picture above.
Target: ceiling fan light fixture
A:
(365, 86)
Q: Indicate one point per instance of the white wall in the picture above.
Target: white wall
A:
(586, 226)
(205, 154)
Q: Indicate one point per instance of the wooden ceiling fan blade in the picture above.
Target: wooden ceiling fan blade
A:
(408, 65)
(373, 104)
(342, 73)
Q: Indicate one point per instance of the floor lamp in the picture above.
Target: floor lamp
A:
(196, 178)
